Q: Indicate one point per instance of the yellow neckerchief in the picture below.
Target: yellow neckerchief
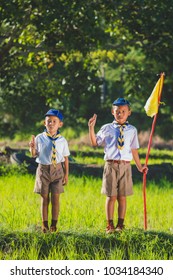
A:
(53, 139)
(120, 140)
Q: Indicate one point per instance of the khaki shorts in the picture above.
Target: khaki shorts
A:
(49, 179)
(117, 179)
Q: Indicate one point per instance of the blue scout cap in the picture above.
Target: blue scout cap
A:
(56, 113)
(121, 101)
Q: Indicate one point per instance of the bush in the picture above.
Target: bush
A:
(9, 169)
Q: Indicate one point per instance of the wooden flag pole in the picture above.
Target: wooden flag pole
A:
(147, 157)
(144, 174)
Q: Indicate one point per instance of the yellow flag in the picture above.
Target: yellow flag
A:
(152, 105)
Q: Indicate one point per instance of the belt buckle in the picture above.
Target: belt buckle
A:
(117, 161)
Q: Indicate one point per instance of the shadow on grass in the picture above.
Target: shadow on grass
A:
(130, 244)
(156, 172)
(97, 154)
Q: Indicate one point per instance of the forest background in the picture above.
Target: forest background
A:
(79, 56)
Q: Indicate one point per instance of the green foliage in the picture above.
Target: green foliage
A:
(71, 134)
(79, 56)
(9, 169)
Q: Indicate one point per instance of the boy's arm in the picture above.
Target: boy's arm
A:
(66, 170)
(32, 147)
(143, 169)
(91, 125)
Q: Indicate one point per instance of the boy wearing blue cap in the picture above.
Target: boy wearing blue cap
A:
(120, 142)
(51, 151)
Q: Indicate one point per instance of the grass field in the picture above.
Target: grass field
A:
(82, 222)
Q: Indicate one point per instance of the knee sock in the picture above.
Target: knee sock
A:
(54, 222)
(120, 222)
(45, 224)
(110, 222)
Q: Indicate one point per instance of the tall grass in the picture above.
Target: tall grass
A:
(82, 222)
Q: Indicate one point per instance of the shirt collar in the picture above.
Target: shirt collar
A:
(117, 124)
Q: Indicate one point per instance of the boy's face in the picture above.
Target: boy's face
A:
(52, 124)
(121, 113)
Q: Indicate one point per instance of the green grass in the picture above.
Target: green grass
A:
(88, 155)
(82, 222)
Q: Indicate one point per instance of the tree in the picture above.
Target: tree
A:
(54, 53)
(150, 52)
(45, 57)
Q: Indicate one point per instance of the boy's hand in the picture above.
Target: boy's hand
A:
(65, 180)
(92, 121)
(144, 169)
(32, 142)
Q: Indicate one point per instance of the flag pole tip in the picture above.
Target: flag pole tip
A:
(161, 74)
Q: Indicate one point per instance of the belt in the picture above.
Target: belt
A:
(118, 161)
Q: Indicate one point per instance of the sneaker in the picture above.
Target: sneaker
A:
(119, 228)
(53, 229)
(110, 229)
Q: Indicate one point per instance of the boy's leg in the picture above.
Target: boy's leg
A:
(121, 212)
(55, 210)
(109, 207)
(110, 203)
(44, 211)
